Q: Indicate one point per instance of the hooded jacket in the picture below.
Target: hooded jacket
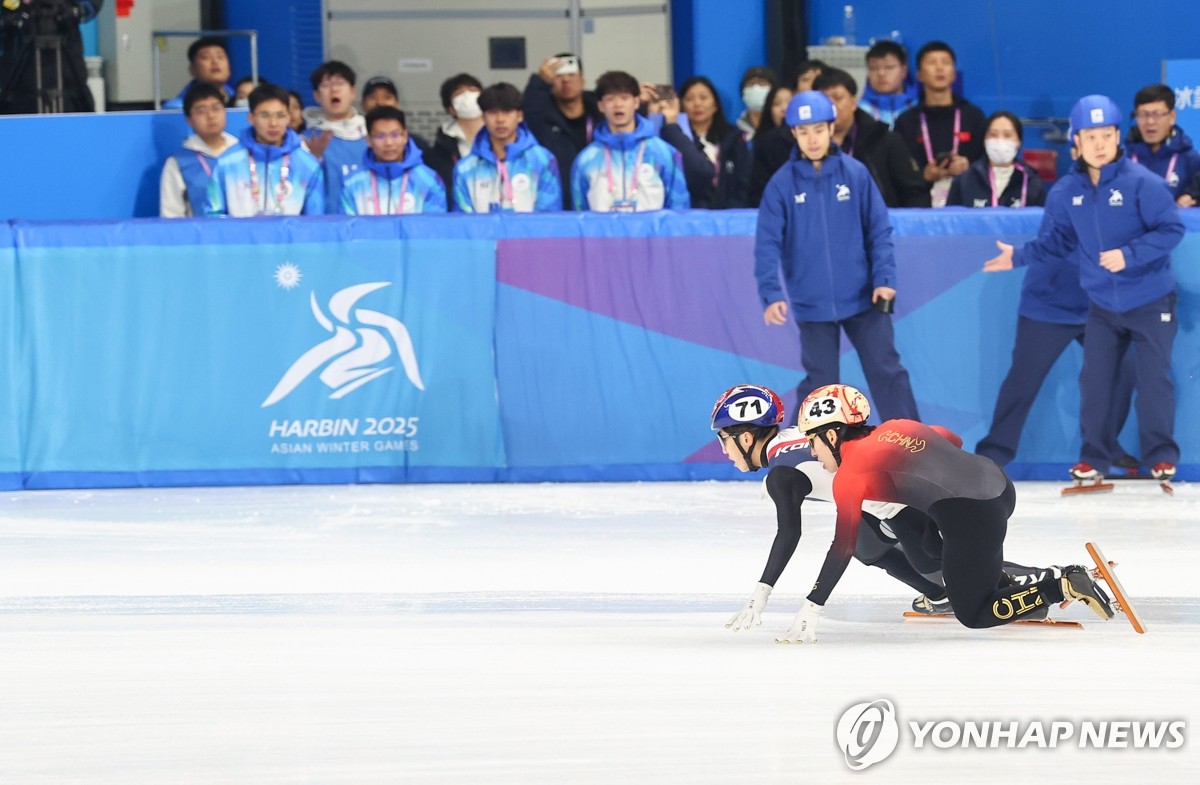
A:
(343, 154)
(636, 171)
(232, 189)
(1176, 160)
(1130, 208)
(183, 187)
(529, 182)
(393, 187)
(829, 233)
(886, 107)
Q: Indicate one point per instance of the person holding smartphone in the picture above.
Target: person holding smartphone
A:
(945, 131)
(560, 113)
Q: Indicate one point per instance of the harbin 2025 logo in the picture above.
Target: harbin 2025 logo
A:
(363, 345)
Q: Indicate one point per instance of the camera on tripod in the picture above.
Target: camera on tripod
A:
(43, 35)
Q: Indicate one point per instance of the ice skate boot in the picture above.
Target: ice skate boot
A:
(1088, 479)
(1164, 472)
(1077, 584)
(927, 607)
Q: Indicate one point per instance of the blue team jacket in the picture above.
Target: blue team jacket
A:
(532, 172)
(1130, 208)
(423, 192)
(602, 182)
(830, 234)
(1177, 147)
(230, 191)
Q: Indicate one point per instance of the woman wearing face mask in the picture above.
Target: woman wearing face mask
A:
(716, 162)
(774, 108)
(757, 82)
(460, 99)
(998, 179)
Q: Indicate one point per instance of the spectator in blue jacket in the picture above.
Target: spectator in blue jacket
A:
(183, 188)
(889, 91)
(208, 61)
(823, 222)
(628, 168)
(716, 160)
(393, 179)
(1158, 144)
(1122, 222)
(507, 170)
(337, 132)
(999, 179)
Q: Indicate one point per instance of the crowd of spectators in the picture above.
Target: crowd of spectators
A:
(624, 146)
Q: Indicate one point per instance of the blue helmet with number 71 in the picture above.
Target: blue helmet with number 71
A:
(832, 405)
(747, 404)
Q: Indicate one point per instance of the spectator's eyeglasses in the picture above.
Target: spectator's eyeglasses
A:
(393, 136)
(272, 115)
(1146, 115)
(334, 81)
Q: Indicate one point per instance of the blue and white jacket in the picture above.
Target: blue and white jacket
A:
(183, 188)
(886, 107)
(231, 190)
(342, 155)
(393, 188)
(636, 171)
(1130, 208)
(829, 233)
(532, 184)
(1176, 161)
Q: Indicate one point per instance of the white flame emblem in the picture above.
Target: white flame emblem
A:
(362, 344)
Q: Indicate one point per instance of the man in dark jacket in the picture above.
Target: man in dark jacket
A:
(560, 113)
(859, 135)
(22, 27)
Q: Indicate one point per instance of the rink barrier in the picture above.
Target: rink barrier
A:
(470, 348)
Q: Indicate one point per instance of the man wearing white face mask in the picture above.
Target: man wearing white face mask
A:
(460, 99)
(998, 179)
(756, 83)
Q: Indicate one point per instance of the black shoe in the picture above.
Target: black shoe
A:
(1127, 463)
(1077, 584)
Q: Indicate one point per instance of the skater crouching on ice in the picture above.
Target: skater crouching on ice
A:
(1122, 221)
(968, 497)
(897, 539)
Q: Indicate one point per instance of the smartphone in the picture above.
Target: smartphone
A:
(943, 159)
(665, 92)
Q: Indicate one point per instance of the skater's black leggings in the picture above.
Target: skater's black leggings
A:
(973, 560)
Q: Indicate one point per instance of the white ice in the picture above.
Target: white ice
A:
(544, 634)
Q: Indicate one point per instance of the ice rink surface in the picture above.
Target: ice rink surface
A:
(546, 634)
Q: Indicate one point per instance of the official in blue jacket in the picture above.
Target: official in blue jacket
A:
(1158, 144)
(1122, 222)
(823, 223)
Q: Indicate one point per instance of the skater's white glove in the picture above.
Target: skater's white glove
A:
(804, 628)
(752, 613)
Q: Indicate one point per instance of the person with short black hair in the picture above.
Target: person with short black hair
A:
(560, 113)
(716, 160)
(806, 72)
(208, 61)
(296, 120)
(242, 89)
(460, 100)
(1158, 144)
(757, 83)
(998, 179)
(889, 91)
(183, 187)
(507, 170)
(393, 178)
(628, 168)
(270, 173)
(337, 132)
(944, 132)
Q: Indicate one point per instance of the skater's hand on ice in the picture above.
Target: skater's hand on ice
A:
(776, 313)
(804, 628)
(1113, 261)
(751, 615)
(1001, 262)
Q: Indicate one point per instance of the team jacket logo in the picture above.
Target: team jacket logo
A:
(801, 197)
(365, 345)
(843, 192)
(1115, 199)
(1076, 201)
